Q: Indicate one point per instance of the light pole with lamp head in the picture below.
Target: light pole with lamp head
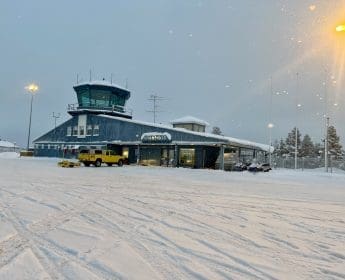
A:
(270, 126)
(338, 29)
(32, 89)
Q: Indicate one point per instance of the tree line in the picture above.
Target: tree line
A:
(306, 147)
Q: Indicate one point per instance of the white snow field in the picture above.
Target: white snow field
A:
(165, 223)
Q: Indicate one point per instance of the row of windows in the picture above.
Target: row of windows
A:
(54, 146)
(90, 130)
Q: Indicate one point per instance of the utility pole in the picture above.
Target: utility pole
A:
(296, 131)
(155, 98)
(326, 144)
(326, 120)
(270, 125)
(55, 116)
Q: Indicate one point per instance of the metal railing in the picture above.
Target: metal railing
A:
(115, 108)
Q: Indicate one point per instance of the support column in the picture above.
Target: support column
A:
(138, 156)
(176, 156)
(221, 154)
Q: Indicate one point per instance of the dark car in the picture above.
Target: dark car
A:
(266, 167)
(257, 167)
(254, 167)
(239, 167)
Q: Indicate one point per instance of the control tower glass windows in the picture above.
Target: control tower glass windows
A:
(84, 98)
(100, 99)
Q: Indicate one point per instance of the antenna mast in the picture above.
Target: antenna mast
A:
(55, 116)
(155, 98)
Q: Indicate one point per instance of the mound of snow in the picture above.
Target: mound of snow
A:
(9, 155)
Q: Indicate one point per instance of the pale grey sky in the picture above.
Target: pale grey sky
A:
(210, 59)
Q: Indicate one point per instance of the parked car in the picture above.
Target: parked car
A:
(99, 156)
(254, 167)
(266, 167)
(240, 166)
(257, 167)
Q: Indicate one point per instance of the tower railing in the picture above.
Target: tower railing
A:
(75, 107)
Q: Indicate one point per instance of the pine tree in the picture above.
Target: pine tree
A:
(334, 146)
(291, 140)
(307, 147)
(318, 149)
(216, 130)
(280, 148)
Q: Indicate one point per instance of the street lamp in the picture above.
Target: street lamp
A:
(298, 106)
(270, 126)
(32, 89)
(340, 28)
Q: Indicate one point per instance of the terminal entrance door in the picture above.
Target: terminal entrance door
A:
(187, 157)
(150, 156)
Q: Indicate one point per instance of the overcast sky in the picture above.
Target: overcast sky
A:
(210, 59)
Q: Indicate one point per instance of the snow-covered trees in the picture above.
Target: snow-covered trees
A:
(334, 146)
(291, 141)
(307, 147)
(280, 148)
(216, 130)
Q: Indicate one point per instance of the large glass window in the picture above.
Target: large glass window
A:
(246, 155)
(69, 131)
(99, 98)
(187, 157)
(83, 98)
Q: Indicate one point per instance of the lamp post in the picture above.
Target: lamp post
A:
(270, 126)
(298, 105)
(338, 29)
(55, 116)
(32, 89)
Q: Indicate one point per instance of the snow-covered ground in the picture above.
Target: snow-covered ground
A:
(164, 223)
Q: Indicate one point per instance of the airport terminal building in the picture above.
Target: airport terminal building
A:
(100, 118)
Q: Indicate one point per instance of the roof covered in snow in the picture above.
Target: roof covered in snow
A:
(101, 83)
(7, 144)
(230, 140)
(189, 119)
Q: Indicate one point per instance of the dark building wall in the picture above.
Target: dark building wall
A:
(116, 130)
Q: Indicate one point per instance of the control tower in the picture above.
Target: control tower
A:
(100, 97)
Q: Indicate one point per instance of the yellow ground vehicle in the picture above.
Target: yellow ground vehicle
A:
(98, 156)
(68, 163)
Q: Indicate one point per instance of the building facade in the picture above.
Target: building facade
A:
(100, 119)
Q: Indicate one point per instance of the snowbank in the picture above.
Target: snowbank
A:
(165, 223)
(8, 155)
